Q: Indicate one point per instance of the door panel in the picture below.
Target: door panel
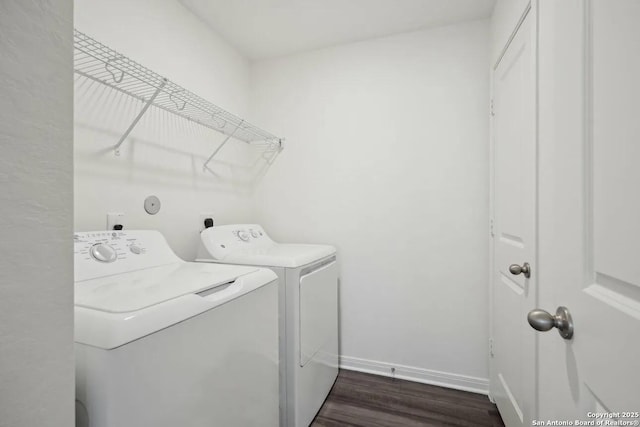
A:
(611, 298)
(590, 205)
(616, 144)
(514, 205)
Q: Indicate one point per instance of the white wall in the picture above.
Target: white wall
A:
(36, 167)
(164, 157)
(387, 158)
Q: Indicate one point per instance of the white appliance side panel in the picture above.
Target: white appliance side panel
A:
(217, 369)
(282, 339)
(318, 310)
(316, 347)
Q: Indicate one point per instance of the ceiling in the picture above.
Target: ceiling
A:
(262, 29)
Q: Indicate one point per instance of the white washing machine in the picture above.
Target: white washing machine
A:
(162, 342)
(308, 277)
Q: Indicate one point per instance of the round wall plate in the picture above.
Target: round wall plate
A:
(152, 205)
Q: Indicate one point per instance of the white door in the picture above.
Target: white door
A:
(512, 384)
(589, 200)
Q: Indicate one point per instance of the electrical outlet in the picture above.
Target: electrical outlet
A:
(114, 218)
(203, 216)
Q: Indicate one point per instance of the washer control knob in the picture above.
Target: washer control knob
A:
(254, 234)
(135, 249)
(103, 252)
(243, 235)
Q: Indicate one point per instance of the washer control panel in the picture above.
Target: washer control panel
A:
(108, 246)
(100, 253)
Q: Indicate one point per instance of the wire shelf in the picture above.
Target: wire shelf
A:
(98, 62)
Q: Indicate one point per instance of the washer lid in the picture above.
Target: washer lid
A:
(288, 255)
(172, 300)
(128, 292)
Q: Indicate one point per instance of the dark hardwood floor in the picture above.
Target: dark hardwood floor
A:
(365, 400)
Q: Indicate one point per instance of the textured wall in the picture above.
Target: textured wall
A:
(36, 207)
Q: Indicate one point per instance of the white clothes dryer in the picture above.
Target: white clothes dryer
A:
(308, 277)
(163, 342)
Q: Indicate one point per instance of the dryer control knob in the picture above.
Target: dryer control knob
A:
(243, 235)
(254, 234)
(103, 252)
(135, 249)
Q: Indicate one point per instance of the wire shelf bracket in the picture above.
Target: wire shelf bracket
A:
(104, 65)
(116, 148)
(204, 167)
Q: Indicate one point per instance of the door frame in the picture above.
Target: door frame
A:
(531, 10)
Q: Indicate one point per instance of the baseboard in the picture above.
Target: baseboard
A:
(420, 375)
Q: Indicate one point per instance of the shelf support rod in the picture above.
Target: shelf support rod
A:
(116, 147)
(204, 167)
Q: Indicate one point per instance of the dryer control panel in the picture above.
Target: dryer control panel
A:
(223, 239)
(247, 233)
(103, 253)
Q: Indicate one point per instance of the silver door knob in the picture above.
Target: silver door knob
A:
(541, 320)
(516, 269)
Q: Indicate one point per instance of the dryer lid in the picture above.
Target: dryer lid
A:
(288, 255)
(140, 289)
